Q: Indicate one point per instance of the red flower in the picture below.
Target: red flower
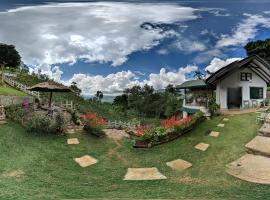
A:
(92, 119)
(141, 130)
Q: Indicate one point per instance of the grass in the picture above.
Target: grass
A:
(51, 173)
(9, 91)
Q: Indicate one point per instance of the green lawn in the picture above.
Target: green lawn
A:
(51, 173)
(9, 91)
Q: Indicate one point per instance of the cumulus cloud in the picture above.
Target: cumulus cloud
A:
(94, 31)
(189, 46)
(218, 63)
(244, 31)
(114, 84)
(163, 51)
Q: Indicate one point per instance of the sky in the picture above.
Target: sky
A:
(112, 45)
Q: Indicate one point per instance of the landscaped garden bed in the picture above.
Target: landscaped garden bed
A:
(170, 129)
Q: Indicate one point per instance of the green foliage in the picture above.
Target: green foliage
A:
(15, 113)
(9, 91)
(260, 48)
(75, 117)
(9, 56)
(39, 125)
(59, 124)
(212, 105)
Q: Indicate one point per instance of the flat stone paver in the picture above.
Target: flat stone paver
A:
(265, 129)
(202, 146)
(115, 134)
(259, 145)
(139, 174)
(86, 161)
(252, 168)
(73, 141)
(214, 134)
(3, 122)
(221, 125)
(179, 164)
(225, 119)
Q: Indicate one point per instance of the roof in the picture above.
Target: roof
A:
(50, 87)
(192, 84)
(254, 63)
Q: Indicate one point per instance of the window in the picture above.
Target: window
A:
(246, 76)
(256, 93)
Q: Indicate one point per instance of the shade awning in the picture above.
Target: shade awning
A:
(192, 84)
(50, 87)
(189, 110)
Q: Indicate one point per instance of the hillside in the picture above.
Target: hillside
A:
(9, 91)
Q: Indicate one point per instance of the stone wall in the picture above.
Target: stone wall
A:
(9, 100)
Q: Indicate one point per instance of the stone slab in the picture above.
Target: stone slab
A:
(221, 125)
(115, 134)
(73, 141)
(225, 119)
(3, 122)
(214, 134)
(259, 145)
(138, 174)
(251, 168)
(202, 146)
(86, 161)
(179, 164)
(265, 129)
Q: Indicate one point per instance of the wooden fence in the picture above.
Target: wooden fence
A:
(120, 125)
(20, 86)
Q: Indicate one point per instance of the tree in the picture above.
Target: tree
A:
(198, 74)
(99, 95)
(75, 88)
(170, 89)
(260, 48)
(9, 57)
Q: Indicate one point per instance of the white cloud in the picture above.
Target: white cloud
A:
(244, 31)
(114, 84)
(189, 46)
(163, 51)
(95, 31)
(218, 63)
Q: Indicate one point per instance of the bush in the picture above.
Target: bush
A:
(212, 105)
(39, 124)
(59, 124)
(93, 124)
(75, 117)
(16, 113)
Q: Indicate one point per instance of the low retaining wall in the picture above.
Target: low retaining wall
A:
(9, 100)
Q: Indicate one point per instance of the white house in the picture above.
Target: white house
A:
(239, 85)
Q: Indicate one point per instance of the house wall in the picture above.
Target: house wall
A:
(234, 80)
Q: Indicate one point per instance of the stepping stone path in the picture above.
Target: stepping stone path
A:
(255, 165)
(73, 141)
(179, 164)
(225, 119)
(2, 122)
(221, 125)
(138, 174)
(15, 173)
(259, 145)
(214, 134)
(116, 134)
(202, 146)
(86, 161)
(252, 168)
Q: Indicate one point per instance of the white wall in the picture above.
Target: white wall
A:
(234, 80)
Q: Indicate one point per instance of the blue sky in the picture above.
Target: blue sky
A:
(112, 45)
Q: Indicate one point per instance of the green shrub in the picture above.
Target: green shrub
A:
(59, 124)
(75, 117)
(212, 105)
(16, 113)
(39, 124)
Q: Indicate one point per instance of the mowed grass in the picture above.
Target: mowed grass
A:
(9, 91)
(51, 173)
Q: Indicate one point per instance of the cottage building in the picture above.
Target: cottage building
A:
(239, 85)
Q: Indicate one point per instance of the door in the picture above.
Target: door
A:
(234, 97)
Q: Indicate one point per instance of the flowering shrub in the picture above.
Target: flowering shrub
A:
(173, 125)
(93, 123)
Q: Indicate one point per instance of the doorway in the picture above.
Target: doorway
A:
(234, 97)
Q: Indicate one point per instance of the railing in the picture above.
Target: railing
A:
(20, 86)
(66, 104)
(120, 125)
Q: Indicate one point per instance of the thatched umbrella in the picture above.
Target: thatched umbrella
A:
(50, 87)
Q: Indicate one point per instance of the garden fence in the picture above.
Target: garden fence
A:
(20, 86)
(120, 125)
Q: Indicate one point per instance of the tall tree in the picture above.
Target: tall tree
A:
(9, 57)
(75, 88)
(260, 48)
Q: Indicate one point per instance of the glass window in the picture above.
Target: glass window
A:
(256, 93)
(246, 76)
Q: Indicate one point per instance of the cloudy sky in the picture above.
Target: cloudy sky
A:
(111, 45)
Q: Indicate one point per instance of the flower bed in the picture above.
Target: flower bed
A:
(169, 130)
(93, 124)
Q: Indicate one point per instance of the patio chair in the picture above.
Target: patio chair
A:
(254, 103)
(261, 116)
(246, 104)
